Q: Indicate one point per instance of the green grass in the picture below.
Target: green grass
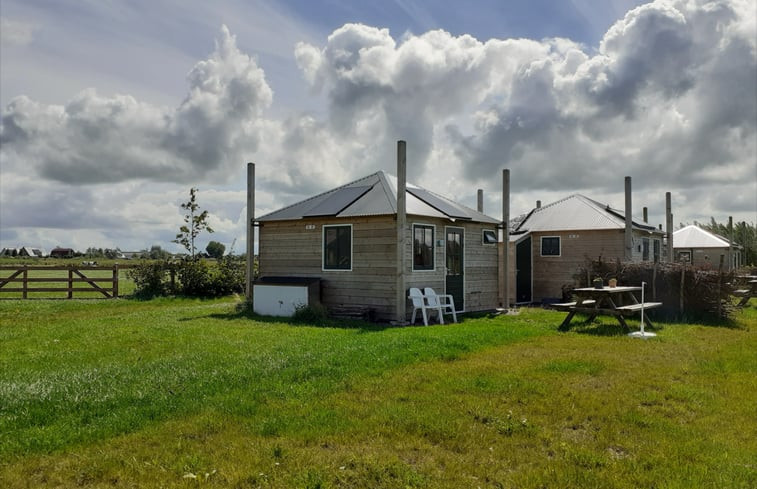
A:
(178, 392)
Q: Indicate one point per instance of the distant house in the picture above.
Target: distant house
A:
(347, 238)
(550, 244)
(701, 248)
(62, 253)
(24, 251)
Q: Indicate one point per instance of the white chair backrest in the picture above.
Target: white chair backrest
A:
(416, 296)
(431, 297)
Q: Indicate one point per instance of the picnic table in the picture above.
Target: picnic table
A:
(618, 302)
(747, 293)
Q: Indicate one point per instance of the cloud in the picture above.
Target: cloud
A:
(96, 139)
(666, 97)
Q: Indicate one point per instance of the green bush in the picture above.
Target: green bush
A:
(150, 279)
(311, 314)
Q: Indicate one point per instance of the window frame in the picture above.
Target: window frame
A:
(324, 267)
(432, 227)
(559, 246)
(646, 249)
(483, 237)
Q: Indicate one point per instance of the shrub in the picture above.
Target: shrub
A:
(311, 314)
(150, 279)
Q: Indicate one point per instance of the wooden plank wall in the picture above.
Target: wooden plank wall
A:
(288, 248)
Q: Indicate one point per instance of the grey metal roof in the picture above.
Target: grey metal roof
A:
(376, 195)
(577, 213)
(695, 237)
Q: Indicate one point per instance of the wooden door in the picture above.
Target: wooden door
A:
(455, 283)
(523, 271)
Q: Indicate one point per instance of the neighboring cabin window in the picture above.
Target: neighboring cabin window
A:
(337, 247)
(423, 247)
(656, 248)
(645, 249)
(550, 246)
(489, 236)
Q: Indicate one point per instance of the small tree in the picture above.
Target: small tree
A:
(195, 223)
(215, 249)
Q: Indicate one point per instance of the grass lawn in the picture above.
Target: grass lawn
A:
(184, 393)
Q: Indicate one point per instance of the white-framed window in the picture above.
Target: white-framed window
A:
(645, 249)
(423, 247)
(684, 256)
(337, 247)
(550, 246)
(489, 237)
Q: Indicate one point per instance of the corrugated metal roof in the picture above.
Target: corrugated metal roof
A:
(577, 213)
(376, 195)
(695, 237)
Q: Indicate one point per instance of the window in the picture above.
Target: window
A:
(423, 247)
(645, 249)
(337, 247)
(489, 236)
(656, 248)
(550, 246)
(684, 256)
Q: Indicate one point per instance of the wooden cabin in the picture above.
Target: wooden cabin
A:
(347, 238)
(549, 245)
(698, 247)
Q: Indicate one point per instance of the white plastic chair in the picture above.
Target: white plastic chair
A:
(420, 303)
(444, 301)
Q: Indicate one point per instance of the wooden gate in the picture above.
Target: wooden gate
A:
(65, 279)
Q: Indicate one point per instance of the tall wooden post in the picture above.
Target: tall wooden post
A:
(669, 225)
(730, 243)
(629, 221)
(506, 234)
(480, 201)
(645, 213)
(401, 224)
(250, 230)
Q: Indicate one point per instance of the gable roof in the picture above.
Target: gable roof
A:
(577, 213)
(376, 195)
(693, 236)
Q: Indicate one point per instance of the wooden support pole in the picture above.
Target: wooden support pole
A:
(629, 220)
(669, 226)
(401, 296)
(70, 283)
(480, 201)
(645, 212)
(730, 243)
(250, 231)
(506, 234)
(24, 294)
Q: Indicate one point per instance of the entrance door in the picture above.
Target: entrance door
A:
(455, 267)
(523, 271)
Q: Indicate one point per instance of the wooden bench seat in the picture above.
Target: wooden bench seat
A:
(637, 307)
(568, 305)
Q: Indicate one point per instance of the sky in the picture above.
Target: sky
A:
(112, 111)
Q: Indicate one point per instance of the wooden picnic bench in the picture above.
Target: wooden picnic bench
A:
(747, 293)
(619, 302)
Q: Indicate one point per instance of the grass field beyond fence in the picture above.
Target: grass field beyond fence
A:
(181, 393)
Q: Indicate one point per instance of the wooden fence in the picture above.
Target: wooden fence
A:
(47, 279)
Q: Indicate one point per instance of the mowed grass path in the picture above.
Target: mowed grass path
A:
(184, 393)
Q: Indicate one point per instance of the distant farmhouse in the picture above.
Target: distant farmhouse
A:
(61, 253)
(551, 243)
(24, 251)
(701, 248)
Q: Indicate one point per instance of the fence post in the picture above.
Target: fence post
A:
(25, 282)
(720, 281)
(683, 278)
(115, 280)
(70, 282)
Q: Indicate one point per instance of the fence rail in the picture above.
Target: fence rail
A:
(19, 274)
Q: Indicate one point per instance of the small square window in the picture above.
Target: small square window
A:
(550, 246)
(489, 236)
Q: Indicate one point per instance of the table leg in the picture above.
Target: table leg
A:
(566, 321)
(623, 323)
